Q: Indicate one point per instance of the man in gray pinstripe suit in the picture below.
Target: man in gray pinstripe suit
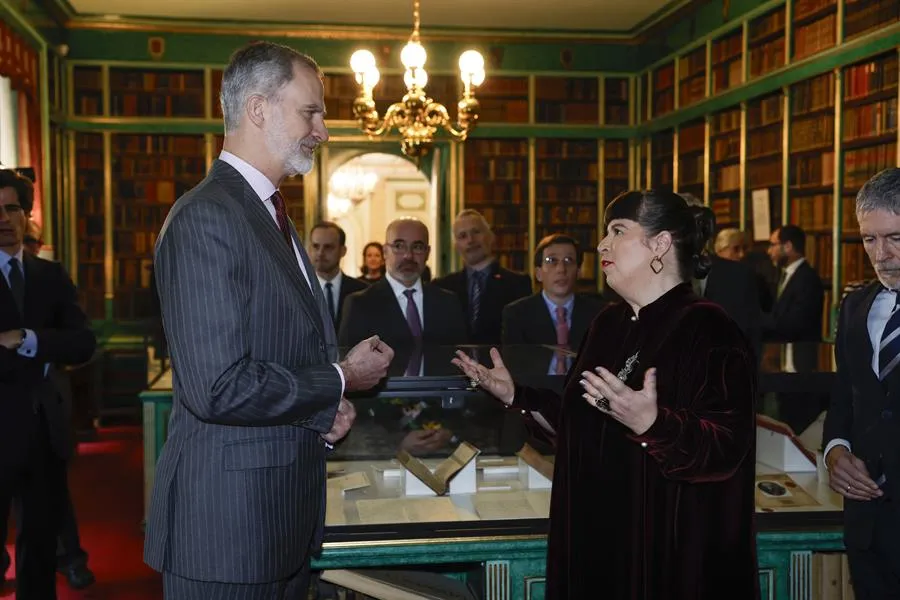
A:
(239, 497)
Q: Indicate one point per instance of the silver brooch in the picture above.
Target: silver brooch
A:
(625, 371)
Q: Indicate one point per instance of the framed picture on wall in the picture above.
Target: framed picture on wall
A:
(408, 196)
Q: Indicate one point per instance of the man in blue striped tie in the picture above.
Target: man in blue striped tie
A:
(862, 428)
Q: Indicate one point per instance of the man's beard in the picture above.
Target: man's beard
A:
(296, 161)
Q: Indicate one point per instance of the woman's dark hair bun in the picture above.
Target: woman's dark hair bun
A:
(704, 226)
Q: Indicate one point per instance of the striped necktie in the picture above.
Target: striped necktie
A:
(478, 278)
(889, 349)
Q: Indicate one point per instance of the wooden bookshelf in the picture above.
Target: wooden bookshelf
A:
(214, 92)
(811, 167)
(87, 91)
(765, 157)
(662, 160)
(90, 230)
(725, 167)
(616, 99)
(645, 96)
(691, 146)
(643, 178)
(728, 61)
(615, 169)
(663, 90)
(869, 145)
(815, 27)
(149, 172)
(496, 184)
(566, 186)
(569, 100)
(340, 91)
(766, 43)
(503, 100)
(156, 93)
(692, 77)
(863, 16)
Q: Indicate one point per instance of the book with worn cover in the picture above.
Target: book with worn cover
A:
(439, 480)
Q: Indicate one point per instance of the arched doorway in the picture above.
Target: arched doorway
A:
(368, 191)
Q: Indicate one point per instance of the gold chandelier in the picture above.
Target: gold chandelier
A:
(417, 117)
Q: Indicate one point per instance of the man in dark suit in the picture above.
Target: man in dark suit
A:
(399, 308)
(71, 557)
(482, 286)
(327, 246)
(861, 435)
(731, 244)
(796, 316)
(557, 315)
(40, 325)
(238, 501)
(733, 286)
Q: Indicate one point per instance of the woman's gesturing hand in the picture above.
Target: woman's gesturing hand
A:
(497, 381)
(636, 409)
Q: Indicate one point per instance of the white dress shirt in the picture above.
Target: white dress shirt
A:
(264, 188)
(881, 311)
(399, 289)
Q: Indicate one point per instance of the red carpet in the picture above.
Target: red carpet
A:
(106, 480)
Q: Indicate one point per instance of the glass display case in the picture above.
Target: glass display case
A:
(494, 522)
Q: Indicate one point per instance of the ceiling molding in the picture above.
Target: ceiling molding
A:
(67, 16)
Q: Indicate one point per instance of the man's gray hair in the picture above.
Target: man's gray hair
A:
(881, 192)
(261, 68)
(471, 212)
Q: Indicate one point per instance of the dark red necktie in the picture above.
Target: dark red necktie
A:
(282, 218)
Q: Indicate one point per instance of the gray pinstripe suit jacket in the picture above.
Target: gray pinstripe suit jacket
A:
(239, 494)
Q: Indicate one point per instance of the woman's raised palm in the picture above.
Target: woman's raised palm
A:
(496, 381)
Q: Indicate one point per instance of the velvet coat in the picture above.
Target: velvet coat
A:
(668, 514)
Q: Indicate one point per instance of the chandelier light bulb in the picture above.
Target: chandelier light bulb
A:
(413, 56)
(470, 62)
(420, 79)
(362, 61)
(478, 78)
(370, 77)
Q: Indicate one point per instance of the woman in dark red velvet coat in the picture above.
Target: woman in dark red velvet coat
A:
(653, 491)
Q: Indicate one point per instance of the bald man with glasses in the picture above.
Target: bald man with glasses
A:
(400, 307)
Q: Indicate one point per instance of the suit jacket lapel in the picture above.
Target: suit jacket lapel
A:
(267, 230)
(543, 320)
(860, 343)
(34, 276)
(9, 312)
(395, 318)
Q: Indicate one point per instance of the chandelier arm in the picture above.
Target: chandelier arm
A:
(443, 120)
(387, 122)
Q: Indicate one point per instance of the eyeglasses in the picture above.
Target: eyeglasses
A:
(401, 247)
(12, 209)
(552, 261)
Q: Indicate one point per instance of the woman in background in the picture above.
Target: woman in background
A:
(653, 489)
(373, 262)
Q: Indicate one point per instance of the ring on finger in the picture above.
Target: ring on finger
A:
(602, 403)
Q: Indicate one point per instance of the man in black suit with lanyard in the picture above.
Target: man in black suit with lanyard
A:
(41, 325)
(862, 428)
